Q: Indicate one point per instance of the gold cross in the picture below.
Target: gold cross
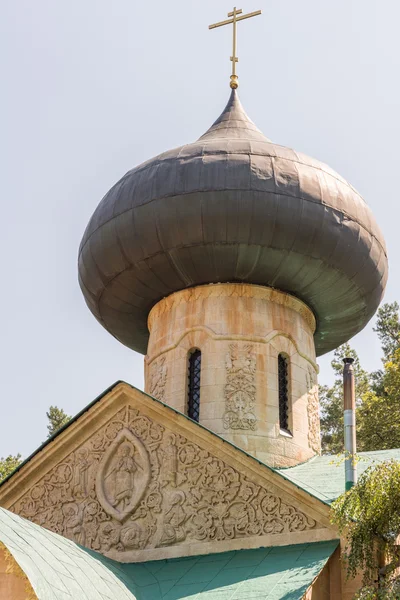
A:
(234, 78)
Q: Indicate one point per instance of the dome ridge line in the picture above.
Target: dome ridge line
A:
(84, 242)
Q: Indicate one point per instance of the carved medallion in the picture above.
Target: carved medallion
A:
(240, 388)
(123, 475)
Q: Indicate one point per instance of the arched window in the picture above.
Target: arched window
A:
(283, 381)
(194, 385)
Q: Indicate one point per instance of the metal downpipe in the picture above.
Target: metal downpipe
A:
(349, 423)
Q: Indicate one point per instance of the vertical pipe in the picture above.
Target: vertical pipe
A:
(349, 395)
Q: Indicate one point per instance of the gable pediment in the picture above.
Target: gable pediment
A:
(135, 480)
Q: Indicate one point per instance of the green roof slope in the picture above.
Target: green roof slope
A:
(280, 573)
(59, 569)
(323, 476)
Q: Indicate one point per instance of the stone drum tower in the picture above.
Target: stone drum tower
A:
(231, 263)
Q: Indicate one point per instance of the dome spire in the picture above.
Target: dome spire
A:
(233, 20)
(234, 123)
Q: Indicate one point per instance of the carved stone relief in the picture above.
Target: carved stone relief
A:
(314, 436)
(158, 378)
(240, 388)
(123, 475)
(136, 485)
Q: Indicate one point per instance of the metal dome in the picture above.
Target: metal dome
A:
(233, 207)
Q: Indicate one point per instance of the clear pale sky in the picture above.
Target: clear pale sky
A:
(91, 88)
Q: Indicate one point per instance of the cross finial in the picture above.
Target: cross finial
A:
(234, 19)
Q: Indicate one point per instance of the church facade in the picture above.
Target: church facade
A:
(231, 263)
(140, 483)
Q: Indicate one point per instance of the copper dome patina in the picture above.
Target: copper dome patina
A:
(233, 207)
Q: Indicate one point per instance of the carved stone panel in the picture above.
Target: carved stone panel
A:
(123, 475)
(158, 378)
(135, 486)
(240, 388)
(314, 434)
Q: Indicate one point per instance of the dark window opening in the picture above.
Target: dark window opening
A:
(194, 385)
(283, 380)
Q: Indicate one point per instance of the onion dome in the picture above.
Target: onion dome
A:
(233, 207)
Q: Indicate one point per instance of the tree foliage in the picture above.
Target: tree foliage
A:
(388, 329)
(57, 419)
(368, 515)
(377, 394)
(8, 464)
(331, 400)
(378, 416)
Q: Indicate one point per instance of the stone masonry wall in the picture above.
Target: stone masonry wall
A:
(240, 330)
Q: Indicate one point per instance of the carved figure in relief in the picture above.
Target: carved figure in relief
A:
(240, 389)
(170, 462)
(122, 480)
(314, 435)
(158, 378)
(131, 537)
(73, 523)
(173, 530)
(81, 473)
(109, 535)
(124, 472)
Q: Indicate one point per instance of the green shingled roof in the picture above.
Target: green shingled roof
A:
(323, 476)
(59, 569)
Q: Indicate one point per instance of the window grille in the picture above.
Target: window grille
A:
(194, 385)
(283, 381)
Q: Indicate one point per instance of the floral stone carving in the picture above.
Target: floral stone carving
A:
(136, 485)
(240, 388)
(314, 434)
(158, 378)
